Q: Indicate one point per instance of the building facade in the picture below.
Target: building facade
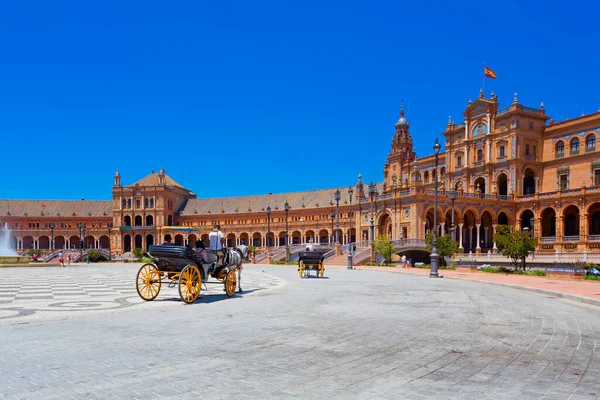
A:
(512, 165)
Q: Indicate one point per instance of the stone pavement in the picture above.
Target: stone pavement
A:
(354, 334)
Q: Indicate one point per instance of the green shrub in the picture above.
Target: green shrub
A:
(592, 278)
(138, 253)
(494, 270)
(537, 272)
(93, 255)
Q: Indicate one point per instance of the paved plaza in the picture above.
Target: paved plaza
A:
(82, 332)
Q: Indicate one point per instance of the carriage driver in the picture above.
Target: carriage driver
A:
(216, 242)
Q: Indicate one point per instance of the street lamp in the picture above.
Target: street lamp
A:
(531, 222)
(332, 215)
(452, 195)
(109, 226)
(350, 191)
(372, 196)
(268, 226)
(52, 226)
(286, 207)
(434, 253)
(337, 218)
(80, 226)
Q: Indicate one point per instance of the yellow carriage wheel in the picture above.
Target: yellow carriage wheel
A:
(230, 283)
(148, 282)
(301, 269)
(190, 282)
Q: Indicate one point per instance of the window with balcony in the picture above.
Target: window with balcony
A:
(152, 202)
(138, 203)
(575, 146)
(560, 149)
(590, 143)
(563, 182)
(146, 203)
(459, 161)
(479, 157)
(502, 152)
(128, 203)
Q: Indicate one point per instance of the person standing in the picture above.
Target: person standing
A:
(216, 240)
(61, 260)
(69, 259)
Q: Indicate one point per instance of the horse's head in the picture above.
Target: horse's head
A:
(243, 249)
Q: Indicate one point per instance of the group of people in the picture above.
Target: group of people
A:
(61, 259)
(216, 246)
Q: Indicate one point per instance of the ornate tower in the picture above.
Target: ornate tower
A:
(400, 155)
(117, 179)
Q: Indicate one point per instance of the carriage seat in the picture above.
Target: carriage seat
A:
(310, 257)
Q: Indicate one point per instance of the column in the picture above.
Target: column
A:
(466, 129)
(477, 248)
(460, 234)
(537, 184)
(583, 227)
(442, 226)
(424, 228)
(471, 237)
(494, 233)
(489, 150)
(466, 157)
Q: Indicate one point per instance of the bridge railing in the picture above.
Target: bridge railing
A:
(361, 256)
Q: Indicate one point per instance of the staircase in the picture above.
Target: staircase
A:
(338, 260)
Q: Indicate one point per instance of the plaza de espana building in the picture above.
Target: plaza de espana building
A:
(512, 165)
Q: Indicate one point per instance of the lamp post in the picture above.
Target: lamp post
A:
(337, 217)
(268, 226)
(531, 222)
(350, 191)
(109, 226)
(286, 207)
(332, 215)
(52, 226)
(434, 253)
(452, 195)
(80, 226)
(372, 196)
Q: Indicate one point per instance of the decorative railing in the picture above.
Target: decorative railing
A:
(503, 111)
(459, 125)
(329, 255)
(501, 159)
(573, 238)
(531, 158)
(361, 256)
(590, 148)
(538, 257)
(594, 238)
(384, 196)
(560, 155)
(574, 152)
(504, 197)
(478, 163)
(531, 109)
(548, 239)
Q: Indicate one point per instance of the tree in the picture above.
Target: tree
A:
(138, 253)
(515, 245)
(93, 255)
(446, 246)
(384, 247)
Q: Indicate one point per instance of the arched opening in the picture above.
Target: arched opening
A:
(167, 238)
(480, 185)
(127, 220)
(44, 242)
(244, 239)
(426, 177)
(548, 225)
(310, 236)
(469, 233)
(150, 241)
(126, 244)
(443, 173)
(502, 219)
(571, 223)
(527, 220)
(590, 142)
(528, 182)
(352, 235)
(323, 236)
(296, 237)
(502, 185)
(560, 149)
(89, 242)
(270, 239)
(179, 240)
(170, 220)
(230, 241)
(104, 242)
(59, 242)
(27, 242)
(282, 238)
(138, 241)
(256, 239)
(149, 220)
(138, 220)
(384, 227)
(486, 232)
(594, 222)
(74, 242)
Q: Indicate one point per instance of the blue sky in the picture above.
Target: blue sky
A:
(239, 98)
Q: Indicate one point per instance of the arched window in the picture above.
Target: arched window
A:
(590, 143)
(575, 146)
(480, 129)
(480, 155)
(560, 149)
(426, 176)
(459, 161)
(443, 172)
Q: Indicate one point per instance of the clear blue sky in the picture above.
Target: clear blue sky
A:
(238, 98)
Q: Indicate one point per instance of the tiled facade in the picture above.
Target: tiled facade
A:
(512, 166)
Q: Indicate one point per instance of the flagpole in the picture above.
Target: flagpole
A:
(483, 81)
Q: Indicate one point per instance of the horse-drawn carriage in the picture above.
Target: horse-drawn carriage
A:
(181, 266)
(310, 260)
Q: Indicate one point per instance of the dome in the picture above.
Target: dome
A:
(402, 121)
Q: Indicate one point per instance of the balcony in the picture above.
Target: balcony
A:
(594, 238)
(548, 239)
(131, 228)
(573, 238)
(531, 158)
(574, 152)
(501, 159)
(478, 163)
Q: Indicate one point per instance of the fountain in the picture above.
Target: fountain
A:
(5, 242)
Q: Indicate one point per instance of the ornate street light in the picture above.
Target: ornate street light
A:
(372, 197)
(332, 215)
(52, 226)
(268, 226)
(337, 218)
(452, 196)
(80, 226)
(350, 191)
(286, 207)
(434, 253)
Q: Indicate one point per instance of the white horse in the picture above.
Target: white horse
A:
(234, 258)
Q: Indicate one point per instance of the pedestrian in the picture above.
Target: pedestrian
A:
(353, 250)
(403, 261)
(61, 260)
(69, 259)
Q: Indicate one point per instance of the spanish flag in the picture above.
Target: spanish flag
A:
(488, 72)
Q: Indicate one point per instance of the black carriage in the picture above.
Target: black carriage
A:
(310, 261)
(182, 267)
